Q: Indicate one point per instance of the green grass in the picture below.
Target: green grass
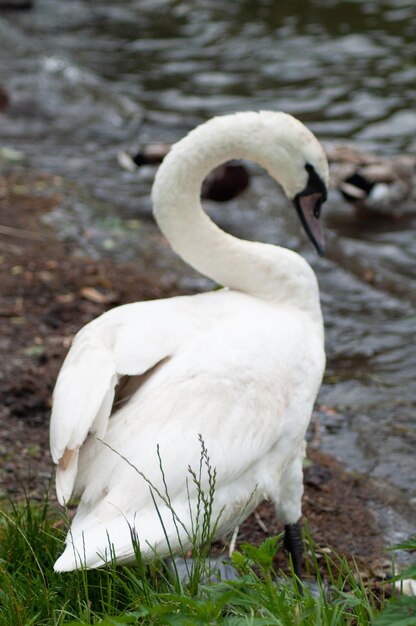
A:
(32, 535)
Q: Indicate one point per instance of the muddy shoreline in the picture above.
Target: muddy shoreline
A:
(47, 294)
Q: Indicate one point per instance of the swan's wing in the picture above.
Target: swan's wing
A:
(129, 340)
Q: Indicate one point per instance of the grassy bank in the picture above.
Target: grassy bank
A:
(31, 536)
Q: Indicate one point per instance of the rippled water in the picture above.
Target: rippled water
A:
(89, 79)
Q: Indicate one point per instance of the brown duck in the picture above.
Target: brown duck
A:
(368, 181)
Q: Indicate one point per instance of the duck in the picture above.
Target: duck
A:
(4, 98)
(231, 374)
(225, 182)
(16, 4)
(370, 182)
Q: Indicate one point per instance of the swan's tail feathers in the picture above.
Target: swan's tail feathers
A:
(92, 542)
(97, 546)
(75, 556)
(82, 402)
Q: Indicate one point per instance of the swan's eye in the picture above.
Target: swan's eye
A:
(315, 184)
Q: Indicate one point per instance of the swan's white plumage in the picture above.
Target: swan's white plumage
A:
(241, 367)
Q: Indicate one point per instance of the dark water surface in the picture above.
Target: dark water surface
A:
(91, 78)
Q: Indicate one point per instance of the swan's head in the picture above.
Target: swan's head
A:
(301, 167)
(277, 141)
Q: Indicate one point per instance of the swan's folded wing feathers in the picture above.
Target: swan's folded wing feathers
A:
(82, 402)
(129, 340)
(80, 391)
(140, 345)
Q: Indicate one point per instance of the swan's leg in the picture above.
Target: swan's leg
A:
(294, 545)
(289, 511)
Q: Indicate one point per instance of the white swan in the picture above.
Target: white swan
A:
(241, 366)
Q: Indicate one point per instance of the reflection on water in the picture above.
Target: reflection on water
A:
(91, 78)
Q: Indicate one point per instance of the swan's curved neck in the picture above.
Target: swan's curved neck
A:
(263, 270)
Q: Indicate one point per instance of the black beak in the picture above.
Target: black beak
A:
(308, 206)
